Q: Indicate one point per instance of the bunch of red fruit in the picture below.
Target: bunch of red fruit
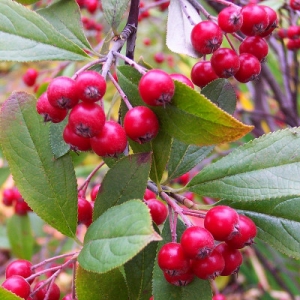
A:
(291, 35)
(19, 276)
(12, 197)
(255, 22)
(209, 251)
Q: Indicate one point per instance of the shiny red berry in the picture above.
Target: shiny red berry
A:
(222, 222)
(225, 62)
(76, 142)
(230, 19)
(149, 194)
(246, 235)
(111, 141)
(181, 279)
(295, 4)
(158, 210)
(85, 212)
(182, 78)
(206, 37)
(172, 260)
(90, 86)
(197, 242)
(156, 88)
(49, 112)
(19, 267)
(21, 207)
(273, 21)
(91, 5)
(61, 92)
(30, 76)
(256, 46)
(87, 119)
(141, 124)
(209, 267)
(232, 257)
(94, 191)
(250, 68)
(17, 285)
(40, 294)
(202, 73)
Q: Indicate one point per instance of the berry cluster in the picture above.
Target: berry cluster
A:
(198, 254)
(12, 197)
(255, 22)
(291, 35)
(90, 5)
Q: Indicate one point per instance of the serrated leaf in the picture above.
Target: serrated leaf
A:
(110, 285)
(126, 180)
(7, 295)
(113, 11)
(265, 168)
(185, 157)
(179, 32)
(65, 17)
(48, 185)
(222, 93)
(58, 145)
(190, 117)
(26, 36)
(20, 236)
(162, 290)
(139, 273)
(277, 220)
(117, 236)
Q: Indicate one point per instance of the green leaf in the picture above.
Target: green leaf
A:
(277, 220)
(20, 236)
(139, 273)
(4, 173)
(126, 180)
(222, 93)
(48, 185)
(65, 17)
(58, 145)
(117, 236)
(110, 285)
(26, 36)
(185, 157)
(162, 290)
(113, 11)
(190, 117)
(6, 295)
(265, 168)
(4, 241)
(275, 4)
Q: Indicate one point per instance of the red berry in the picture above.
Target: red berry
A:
(111, 141)
(221, 221)
(91, 5)
(141, 124)
(249, 68)
(197, 242)
(49, 112)
(255, 20)
(21, 207)
(293, 32)
(156, 88)
(85, 212)
(293, 44)
(19, 267)
(30, 76)
(209, 267)
(247, 232)
(230, 19)
(202, 73)
(95, 191)
(9, 197)
(256, 46)
(182, 78)
(69, 297)
(76, 142)
(232, 257)
(282, 33)
(149, 194)
(61, 92)
(181, 279)
(159, 57)
(184, 178)
(172, 260)
(163, 6)
(87, 119)
(40, 294)
(273, 21)
(225, 62)
(90, 86)
(295, 4)
(206, 37)
(17, 285)
(158, 211)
